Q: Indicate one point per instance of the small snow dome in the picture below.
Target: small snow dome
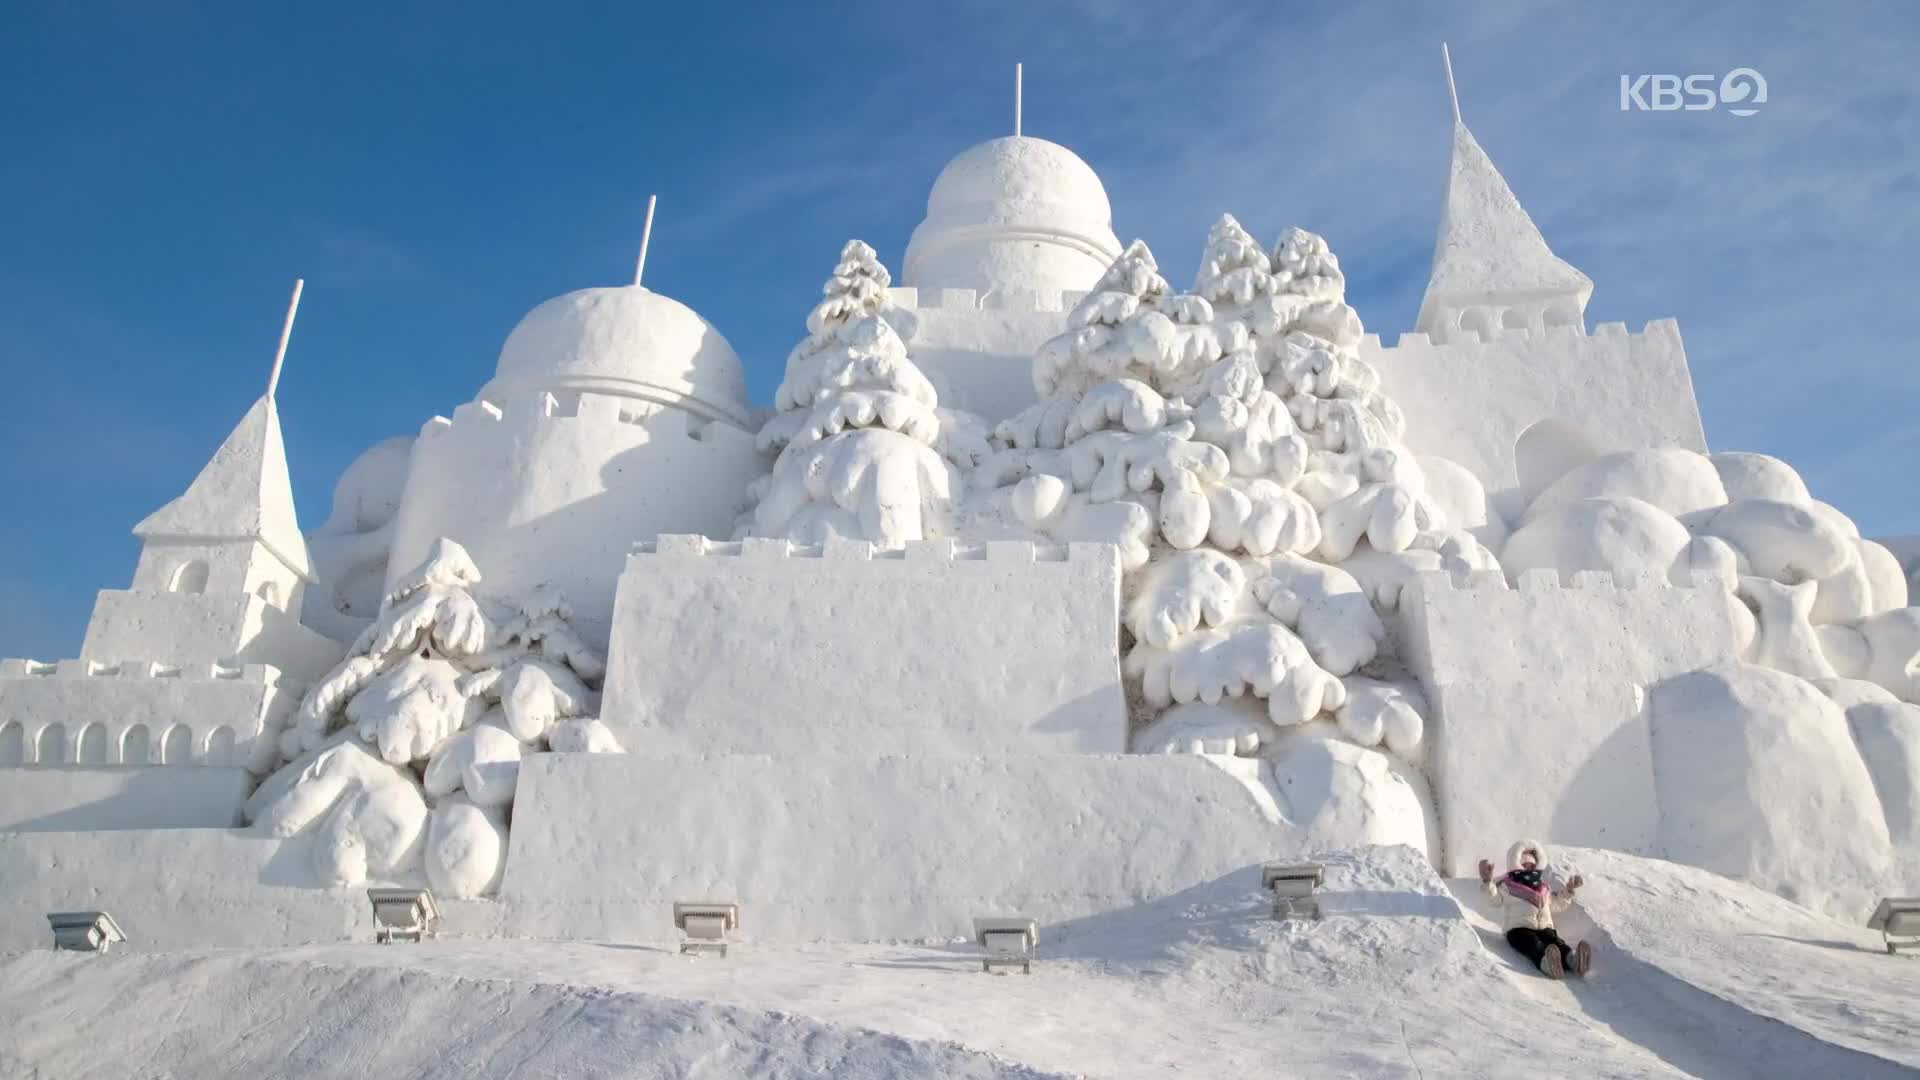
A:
(624, 340)
(1013, 213)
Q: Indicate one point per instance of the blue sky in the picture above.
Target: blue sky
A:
(435, 170)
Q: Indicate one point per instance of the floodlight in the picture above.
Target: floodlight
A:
(706, 922)
(1008, 942)
(84, 931)
(1292, 885)
(1898, 920)
(403, 914)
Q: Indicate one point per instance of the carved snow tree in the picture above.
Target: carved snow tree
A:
(408, 752)
(859, 433)
(1237, 447)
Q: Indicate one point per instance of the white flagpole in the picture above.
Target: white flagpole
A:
(1446, 56)
(286, 332)
(646, 235)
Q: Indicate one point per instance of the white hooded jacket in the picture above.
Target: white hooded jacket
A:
(1516, 913)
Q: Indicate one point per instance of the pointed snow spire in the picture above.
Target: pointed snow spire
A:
(1491, 266)
(244, 492)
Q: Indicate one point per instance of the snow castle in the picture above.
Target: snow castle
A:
(1046, 586)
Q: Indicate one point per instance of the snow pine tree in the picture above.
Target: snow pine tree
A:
(859, 433)
(1235, 445)
(409, 751)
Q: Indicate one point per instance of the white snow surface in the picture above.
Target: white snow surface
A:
(1696, 975)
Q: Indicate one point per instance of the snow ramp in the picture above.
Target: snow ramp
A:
(1639, 914)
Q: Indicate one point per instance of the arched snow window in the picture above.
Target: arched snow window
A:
(220, 746)
(1562, 315)
(269, 592)
(93, 745)
(1513, 319)
(190, 577)
(136, 746)
(1547, 451)
(51, 747)
(1478, 320)
(177, 747)
(13, 744)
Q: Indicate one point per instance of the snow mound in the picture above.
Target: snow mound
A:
(1677, 481)
(1758, 778)
(208, 1015)
(1622, 536)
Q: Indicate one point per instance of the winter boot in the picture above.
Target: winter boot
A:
(1582, 959)
(1551, 965)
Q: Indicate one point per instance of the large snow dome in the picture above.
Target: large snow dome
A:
(624, 340)
(1013, 213)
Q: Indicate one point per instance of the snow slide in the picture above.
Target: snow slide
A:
(1679, 972)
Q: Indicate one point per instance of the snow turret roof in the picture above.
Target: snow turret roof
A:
(243, 493)
(624, 340)
(1036, 193)
(1488, 249)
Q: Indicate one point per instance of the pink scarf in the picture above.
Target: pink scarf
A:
(1528, 885)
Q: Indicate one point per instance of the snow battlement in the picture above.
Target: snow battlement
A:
(1586, 582)
(768, 647)
(917, 299)
(1470, 336)
(142, 712)
(1551, 670)
(1519, 406)
(842, 549)
(552, 487)
(1480, 625)
(259, 674)
(659, 420)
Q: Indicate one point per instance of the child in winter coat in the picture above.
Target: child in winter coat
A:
(1527, 902)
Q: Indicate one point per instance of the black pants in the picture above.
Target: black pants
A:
(1533, 944)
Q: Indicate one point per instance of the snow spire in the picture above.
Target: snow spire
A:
(286, 332)
(646, 234)
(1491, 267)
(243, 493)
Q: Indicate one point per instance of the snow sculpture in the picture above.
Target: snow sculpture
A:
(1887, 730)
(412, 746)
(1759, 779)
(864, 450)
(366, 818)
(1235, 445)
(1825, 602)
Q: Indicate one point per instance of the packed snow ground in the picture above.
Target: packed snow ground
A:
(1696, 976)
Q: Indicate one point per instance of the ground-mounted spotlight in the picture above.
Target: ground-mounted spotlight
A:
(1292, 885)
(403, 914)
(84, 931)
(705, 922)
(1898, 920)
(1009, 943)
